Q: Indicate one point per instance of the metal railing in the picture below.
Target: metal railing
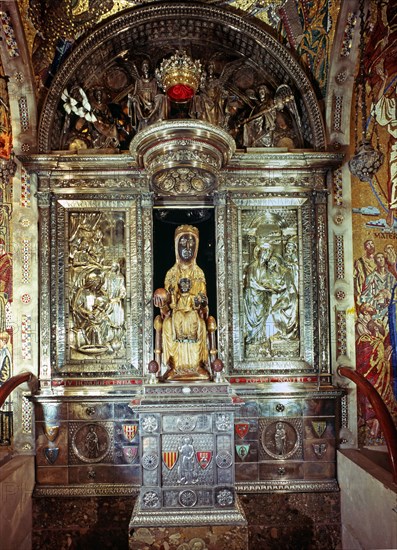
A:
(381, 411)
(6, 416)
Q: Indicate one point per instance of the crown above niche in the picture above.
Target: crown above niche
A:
(179, 76)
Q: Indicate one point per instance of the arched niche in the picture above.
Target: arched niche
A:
(104, 59)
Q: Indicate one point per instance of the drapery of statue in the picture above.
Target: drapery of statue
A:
(185, 333)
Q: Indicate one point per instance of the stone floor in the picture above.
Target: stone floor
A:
(292, 521)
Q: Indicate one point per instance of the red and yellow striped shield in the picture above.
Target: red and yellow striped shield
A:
(170, 458)
(130, 431)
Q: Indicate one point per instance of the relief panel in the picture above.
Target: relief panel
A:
(95, 281)
(273, 294)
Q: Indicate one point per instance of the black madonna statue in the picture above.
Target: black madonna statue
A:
(185, 339)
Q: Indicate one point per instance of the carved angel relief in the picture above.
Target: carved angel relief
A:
(130, 95)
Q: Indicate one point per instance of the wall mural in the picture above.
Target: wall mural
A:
(5, 238)
(309, 28)
(375, 225)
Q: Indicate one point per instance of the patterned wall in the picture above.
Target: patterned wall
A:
(6, 172)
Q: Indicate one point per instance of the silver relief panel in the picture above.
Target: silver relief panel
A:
(273, 302)
(92, 286)
(187, 459)
(189, 456)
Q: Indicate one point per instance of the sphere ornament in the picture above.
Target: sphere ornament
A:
(366, 161)
(153, 367)
(217, 365)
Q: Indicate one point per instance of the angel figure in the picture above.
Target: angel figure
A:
(78, 113)
(105, 127)
(88, 120)
(211, 101)
(146, 103)
(274, 121)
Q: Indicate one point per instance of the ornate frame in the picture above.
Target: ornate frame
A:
(298, 208)
(64, 360)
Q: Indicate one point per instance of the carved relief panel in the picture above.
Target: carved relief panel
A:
(95, 283)
(274, 286)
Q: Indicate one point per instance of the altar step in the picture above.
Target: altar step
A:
(275, 520)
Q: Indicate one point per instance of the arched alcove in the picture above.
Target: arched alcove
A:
(244, 53)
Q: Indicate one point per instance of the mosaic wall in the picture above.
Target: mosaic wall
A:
(308, 27)
(375, 224)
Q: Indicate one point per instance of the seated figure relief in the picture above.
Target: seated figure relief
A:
(97, 289)
(270, 294)
(184, 323)
(231, 95)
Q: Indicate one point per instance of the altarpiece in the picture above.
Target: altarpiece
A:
(143, 131)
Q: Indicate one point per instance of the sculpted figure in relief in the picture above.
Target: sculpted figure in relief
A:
(146, 104)
(270, 292)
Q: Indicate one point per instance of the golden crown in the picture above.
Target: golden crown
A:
(186, 229)
(179, 69)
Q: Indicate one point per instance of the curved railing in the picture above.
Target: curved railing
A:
(15, 381)
(381, 411)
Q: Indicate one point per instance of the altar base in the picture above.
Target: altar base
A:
(189, 530)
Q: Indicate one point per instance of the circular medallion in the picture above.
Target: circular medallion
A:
(224, 497)
(280, 440)
(149, 424)
(186, 423)
(25, 298)
(116, 79)
(224, 459)
(151, 499)
(150, 461)
(187, 498)
(91, 443)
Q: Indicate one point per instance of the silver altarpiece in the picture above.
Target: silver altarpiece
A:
(107, 201)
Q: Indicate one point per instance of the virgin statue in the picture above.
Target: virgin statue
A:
(184, 317)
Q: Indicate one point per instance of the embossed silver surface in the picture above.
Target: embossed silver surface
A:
(187, 455)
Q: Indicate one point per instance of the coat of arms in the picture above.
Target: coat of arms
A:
(319, 427)
(241, 429)
(51, 454)
(51, 432)
(130, 431)
(130, 453)
(170, 458)
(242, 451)
(204, 458)
(319, 449)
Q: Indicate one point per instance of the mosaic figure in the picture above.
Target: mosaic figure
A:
(5, 357)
